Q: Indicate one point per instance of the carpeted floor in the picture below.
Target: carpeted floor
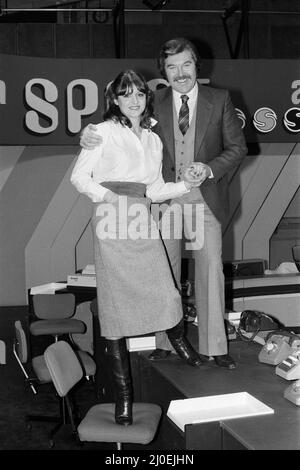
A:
(17, 400)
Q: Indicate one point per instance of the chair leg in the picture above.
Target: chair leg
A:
(60, 422)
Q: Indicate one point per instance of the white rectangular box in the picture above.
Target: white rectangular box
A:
(141, 343)
(81, 281)
(215, 408)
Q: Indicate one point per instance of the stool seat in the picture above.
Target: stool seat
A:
(57, 327)
(99, 424)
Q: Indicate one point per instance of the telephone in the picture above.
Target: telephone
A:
(292, 392)
(289, 368)
(253, 321)
(278, 346)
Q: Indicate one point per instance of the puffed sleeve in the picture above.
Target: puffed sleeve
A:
(159, 191)
(82, 174)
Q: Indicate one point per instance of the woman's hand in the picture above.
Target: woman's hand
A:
(111, 197)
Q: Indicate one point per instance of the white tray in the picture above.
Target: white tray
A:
(215, 408)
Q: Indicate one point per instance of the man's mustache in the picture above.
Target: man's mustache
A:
(182, 77)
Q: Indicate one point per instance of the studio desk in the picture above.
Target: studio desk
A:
(172, 379)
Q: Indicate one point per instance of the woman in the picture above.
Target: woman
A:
(135, 289)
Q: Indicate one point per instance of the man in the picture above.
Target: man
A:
(197, 123)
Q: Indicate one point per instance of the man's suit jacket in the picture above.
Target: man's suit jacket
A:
(219, 141)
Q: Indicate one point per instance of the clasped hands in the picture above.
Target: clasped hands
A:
(195, 174)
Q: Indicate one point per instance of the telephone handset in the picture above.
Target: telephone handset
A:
(278, 346)
(253, 321)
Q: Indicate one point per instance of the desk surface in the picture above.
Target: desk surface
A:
(278, 431)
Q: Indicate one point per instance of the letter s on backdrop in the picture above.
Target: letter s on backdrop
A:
(41, 106)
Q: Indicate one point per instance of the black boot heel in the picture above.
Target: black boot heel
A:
(123, 411)
(120, 368)
(182, 346)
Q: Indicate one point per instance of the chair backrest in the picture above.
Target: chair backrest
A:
(64, 366)
(20, 343)
(84, 341)
(20, 350)
(50, 306)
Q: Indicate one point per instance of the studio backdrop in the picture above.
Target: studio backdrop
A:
(44, 103)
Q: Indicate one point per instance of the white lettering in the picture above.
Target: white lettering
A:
(91, 103)
(43, 107)
(2, 92)
(296, 94)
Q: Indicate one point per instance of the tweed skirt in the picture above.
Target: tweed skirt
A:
(136, 293)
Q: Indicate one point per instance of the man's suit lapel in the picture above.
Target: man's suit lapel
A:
(204, 111)
(165, 118)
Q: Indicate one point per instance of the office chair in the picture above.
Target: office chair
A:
(98, 425)
(54, 312)
(40, 375)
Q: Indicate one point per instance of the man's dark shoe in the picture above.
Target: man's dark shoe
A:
(225, 361)
(159, 354)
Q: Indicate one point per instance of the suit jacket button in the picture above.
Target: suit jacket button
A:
(172, 169)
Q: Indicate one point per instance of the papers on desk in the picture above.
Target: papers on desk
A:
(49, 288)
(231, 316)
(283, 268)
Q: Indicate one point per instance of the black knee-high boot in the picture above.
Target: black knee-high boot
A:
(182, 346)
(119, 363)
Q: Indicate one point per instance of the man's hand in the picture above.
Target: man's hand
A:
(89, 139)
(196, 173)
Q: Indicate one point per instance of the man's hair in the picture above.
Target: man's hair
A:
(175, 46)
(122, 85)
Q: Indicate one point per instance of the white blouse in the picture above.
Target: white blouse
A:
(122, 156)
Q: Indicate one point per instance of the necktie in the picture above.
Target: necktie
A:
(183, 120)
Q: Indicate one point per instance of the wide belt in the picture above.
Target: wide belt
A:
(126, 188)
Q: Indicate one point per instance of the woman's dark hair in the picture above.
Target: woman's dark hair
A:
(122, 86)
(175, 46)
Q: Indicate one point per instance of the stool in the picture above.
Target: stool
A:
(98, 425)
